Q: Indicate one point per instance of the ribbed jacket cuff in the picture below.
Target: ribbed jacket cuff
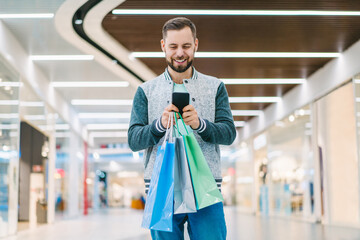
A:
(159, 126)
(202, 126)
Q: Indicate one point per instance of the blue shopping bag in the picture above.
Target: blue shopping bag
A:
(159, 207)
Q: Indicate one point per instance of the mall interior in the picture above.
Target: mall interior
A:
(69, 70)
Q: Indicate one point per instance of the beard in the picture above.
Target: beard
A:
(179, 69)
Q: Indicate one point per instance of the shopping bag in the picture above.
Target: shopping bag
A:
(159, 205)
(184, 200)
(205, 187)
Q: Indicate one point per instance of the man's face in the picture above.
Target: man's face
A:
(179, 47)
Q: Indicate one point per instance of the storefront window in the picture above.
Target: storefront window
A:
(35, 130)
(61, 167)
(290, 165)
(9, 137)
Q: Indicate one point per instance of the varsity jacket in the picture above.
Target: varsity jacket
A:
(210, 99)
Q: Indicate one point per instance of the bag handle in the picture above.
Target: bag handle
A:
(169, 129)
(177, 126)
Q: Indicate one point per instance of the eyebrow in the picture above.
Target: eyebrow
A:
(174, 44)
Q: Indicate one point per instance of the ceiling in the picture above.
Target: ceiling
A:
(215, 33)
(244, 34)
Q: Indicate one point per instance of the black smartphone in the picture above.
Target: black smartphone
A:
(180, 100)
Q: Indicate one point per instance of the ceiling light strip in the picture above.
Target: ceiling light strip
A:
(89, 84)
(9, 115)
(233, 12)
(32, 104)
(244, 54)
(120, 126)
(231, 81)
(239, 123)
(62, 57)
(246, 112)
(254, 99)
(103, 115)
(9, 102)
(108, 134)
(101, 102)
(9, 126)
(11, 84)
(26, 15)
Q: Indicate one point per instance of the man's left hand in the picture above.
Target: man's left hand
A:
(190, 117)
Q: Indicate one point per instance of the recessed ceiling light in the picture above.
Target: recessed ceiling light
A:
(78, 21)
(246, 112)
(263, 80)
(121, 126)
(89, 84)
(62, 57)
(97, 102)
(103, 115)
(244, 54)
(233, 12)
(254, 99)
(27, 15)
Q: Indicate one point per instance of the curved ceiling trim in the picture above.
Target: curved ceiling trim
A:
(64, 25)
(93, 28)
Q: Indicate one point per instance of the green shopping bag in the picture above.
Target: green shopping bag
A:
(205, 187)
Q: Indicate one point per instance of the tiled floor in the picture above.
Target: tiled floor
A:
(124, 224)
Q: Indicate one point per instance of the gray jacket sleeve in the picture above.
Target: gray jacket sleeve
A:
(223, 130)
(141, 134)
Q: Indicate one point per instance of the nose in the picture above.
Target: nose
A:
(179, 53)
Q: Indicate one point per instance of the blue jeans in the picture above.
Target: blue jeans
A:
(206, 224)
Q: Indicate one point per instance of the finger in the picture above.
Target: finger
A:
(172, 108)
(188, 108)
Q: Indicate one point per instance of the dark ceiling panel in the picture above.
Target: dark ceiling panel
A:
(241, 118)
(349, 5)
(245, 34)
(258, 90)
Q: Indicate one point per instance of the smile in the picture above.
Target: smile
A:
(180, 61)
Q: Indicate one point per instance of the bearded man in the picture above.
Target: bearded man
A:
(208, 115)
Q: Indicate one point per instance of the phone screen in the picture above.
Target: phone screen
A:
(180, 100)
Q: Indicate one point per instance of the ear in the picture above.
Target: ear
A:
(196, 44)
(162, 43)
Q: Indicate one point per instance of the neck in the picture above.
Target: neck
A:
(179, 77)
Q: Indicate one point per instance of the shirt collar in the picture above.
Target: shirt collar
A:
(168, 77)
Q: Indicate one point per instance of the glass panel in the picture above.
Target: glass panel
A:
(244, 177)
(9, 136)
(290, 165)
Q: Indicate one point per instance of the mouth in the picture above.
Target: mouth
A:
(179, 61)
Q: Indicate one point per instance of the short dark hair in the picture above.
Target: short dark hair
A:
(178, 23)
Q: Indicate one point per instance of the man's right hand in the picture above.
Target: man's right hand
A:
(165, 115)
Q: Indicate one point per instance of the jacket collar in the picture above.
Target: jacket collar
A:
(168, 77)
